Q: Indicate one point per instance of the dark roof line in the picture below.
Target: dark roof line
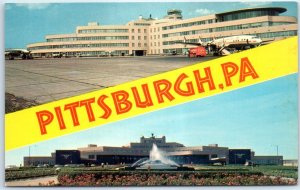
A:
(279, 9)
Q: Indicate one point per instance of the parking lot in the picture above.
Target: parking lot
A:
(46, 80)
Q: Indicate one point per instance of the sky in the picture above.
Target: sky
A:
(260, 117)
(29, 23)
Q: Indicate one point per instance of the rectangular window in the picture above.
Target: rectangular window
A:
(145, 37)
(139, 37)
(139, 30)
(132, 44)
(145, 30)
(132, 37)
(132, 30)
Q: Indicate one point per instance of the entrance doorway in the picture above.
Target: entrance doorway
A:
(139, 52)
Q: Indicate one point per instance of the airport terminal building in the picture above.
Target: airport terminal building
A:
(148, 36)
(93, 154)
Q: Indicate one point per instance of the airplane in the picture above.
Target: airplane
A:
(17, 53)
(221, 46)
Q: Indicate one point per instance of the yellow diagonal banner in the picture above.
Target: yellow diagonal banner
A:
(152, 93)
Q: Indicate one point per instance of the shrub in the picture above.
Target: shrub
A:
(171, 178)
(28, 173)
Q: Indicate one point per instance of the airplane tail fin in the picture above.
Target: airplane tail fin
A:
(200, 41)
(184, 41)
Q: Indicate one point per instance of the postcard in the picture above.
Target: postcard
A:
(151, 94)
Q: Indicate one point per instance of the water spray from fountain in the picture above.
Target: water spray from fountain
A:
(157, 158)
(157, 161)
(156, 154)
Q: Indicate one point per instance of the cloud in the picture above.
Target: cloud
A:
(256, 3)
(204, 11)
(33, 6)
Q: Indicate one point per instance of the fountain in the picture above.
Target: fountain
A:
(157, 161)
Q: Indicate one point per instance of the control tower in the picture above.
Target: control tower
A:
(174, 14)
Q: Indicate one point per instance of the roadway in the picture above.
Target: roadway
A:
(46, 80)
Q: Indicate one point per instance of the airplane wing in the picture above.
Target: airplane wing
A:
(185, 41)
(264, 42)
(189, 43)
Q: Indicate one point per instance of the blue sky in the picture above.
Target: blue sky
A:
(259, 117)
(29, 23)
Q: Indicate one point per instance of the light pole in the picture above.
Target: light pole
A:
(276, 149)
(29, 156)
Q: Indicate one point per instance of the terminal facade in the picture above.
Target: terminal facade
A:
(93, 154)
(148, 36)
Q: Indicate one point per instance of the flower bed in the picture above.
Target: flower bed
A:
(154, 178)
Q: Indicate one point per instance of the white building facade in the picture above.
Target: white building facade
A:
(148, 36)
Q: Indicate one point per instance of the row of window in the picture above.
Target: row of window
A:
(154, 44)
(154, 37)
(88, 38)
(250, 25)
(87, 53)
(142, 24)
(177, 50)
(186, 33)
(260, 35)
(188, 40)
(80, 46)
(96, 53)
(85, 31)
(225, 28)
(154, 29)
(138, 30)
(139, 37)
(155, 51)
(202, 22)
(139, 45)
(248, 14)
(277, 34)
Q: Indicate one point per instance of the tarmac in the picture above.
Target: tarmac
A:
(46, 80)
